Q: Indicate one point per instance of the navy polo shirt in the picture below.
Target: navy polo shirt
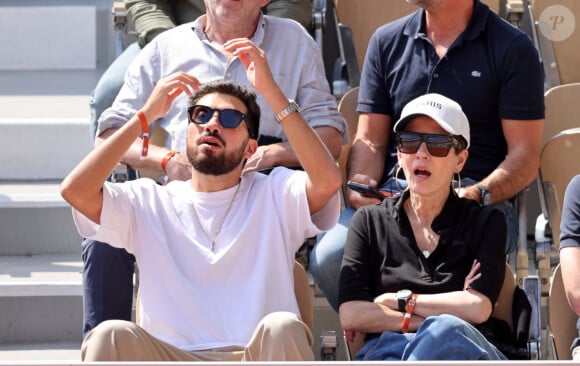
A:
(492, 70)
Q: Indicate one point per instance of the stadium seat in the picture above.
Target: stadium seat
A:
(556, 26)
(336, 43)
(558, 164)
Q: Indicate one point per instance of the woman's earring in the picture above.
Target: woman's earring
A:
(456, 190)
(397, 181)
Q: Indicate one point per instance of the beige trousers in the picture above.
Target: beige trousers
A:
(280, 336)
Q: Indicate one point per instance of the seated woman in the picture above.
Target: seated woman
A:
(422, 271)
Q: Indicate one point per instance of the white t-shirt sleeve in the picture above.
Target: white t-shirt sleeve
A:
(117, 218)
(296, 209)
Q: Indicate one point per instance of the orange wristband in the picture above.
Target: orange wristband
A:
(408, 313)
(166, 159)
(144, 134)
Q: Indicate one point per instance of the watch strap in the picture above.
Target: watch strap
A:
(403, 297)
(290, 108)
(484, 194)
(401, 304)
(409, 313)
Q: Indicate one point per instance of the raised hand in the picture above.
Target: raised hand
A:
(254, 60)
(165, 92)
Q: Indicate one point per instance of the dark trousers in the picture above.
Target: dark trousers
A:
(107, 283)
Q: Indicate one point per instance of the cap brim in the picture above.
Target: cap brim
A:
(402, 123)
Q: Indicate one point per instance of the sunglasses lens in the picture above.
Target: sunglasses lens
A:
(409, 143)
(231, 118)
(439, 145)
(438, 149)
(201, 114)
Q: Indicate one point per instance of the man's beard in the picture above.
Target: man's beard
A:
(216, 165)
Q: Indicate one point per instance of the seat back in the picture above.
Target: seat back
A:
(558, 26)
(365, 16)
(562, 109)
(347, 107)
(558, 164)
(503, 307)
(304, 295)
(561, 318)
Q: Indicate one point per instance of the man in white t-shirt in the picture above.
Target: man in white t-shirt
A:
(198, 48)
(216, 252)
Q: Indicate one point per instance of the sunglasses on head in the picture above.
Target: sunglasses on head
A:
(437, 145)
(229, 118)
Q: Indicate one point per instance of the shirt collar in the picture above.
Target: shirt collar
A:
(444, 223)
(257, 38)
(415, 27)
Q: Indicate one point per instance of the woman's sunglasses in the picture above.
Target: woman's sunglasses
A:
(229, 118)
(437, 145)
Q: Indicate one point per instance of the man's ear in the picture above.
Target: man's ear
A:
(251, 148)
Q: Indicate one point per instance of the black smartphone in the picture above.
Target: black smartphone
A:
(365, 190)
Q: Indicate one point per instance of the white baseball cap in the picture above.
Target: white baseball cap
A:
(446, 112)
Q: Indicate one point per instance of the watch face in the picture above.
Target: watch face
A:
(486, 199)
(402, 297)
(485, 195)
(404, 294)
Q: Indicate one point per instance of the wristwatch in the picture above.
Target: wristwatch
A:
(403, 297)
(485, 195)
(290, 108)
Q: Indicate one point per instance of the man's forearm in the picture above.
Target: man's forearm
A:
(282, 154)
(82, 188)
(367, 160)
(132, 156)
(513, 175)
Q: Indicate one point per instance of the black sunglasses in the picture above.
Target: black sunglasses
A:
(437, 145)
(229, 118)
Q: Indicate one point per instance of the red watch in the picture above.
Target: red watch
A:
(408, 313)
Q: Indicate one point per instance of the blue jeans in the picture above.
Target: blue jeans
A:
(109, 85)
(107, 284)
(443, 337)
(326, 256)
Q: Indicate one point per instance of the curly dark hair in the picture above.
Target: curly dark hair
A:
(236, 90)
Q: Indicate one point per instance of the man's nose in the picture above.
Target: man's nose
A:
(213, 122)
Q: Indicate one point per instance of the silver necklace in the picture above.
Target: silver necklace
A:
(432, 243)
(219, 229)
(431, 238)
